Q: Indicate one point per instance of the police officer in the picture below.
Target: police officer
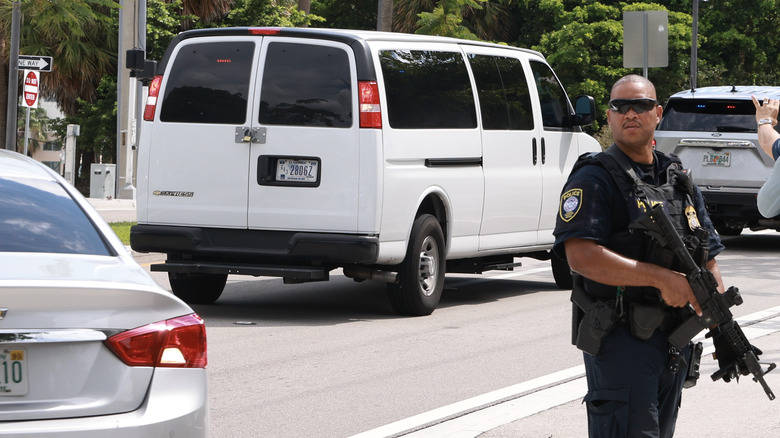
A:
(632, 388)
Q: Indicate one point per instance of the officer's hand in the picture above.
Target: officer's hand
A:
(768, 110)
(676, 292)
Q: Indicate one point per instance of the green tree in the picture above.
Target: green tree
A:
(80, 36)
(266, 13)
(36, 131)
(164, 20)
(586, 51)
(338, 14)
(739, 42)
(446, 19)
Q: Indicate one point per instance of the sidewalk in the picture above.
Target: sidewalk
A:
(115, 210)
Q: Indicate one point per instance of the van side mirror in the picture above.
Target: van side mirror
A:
(584, 110)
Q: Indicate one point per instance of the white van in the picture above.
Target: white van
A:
(294, 152)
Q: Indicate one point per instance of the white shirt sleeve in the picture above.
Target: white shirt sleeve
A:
(769, 195)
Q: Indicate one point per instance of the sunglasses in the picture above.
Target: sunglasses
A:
(638, 105)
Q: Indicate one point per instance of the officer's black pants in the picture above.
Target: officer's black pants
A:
(630, 391)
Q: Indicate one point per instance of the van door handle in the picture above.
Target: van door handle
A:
(533, 148)
(246, 134)
(544, 152)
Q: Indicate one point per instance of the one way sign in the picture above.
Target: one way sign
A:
(39, 63)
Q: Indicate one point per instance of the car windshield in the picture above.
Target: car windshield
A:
(39, 216)
(705, 115)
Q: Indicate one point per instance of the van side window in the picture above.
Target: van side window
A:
(306, 85)
(504, 100)
(555, 104)
(209, 83)
(427, 90)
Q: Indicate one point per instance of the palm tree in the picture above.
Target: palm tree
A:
(490, 21)
(206, 10)
(80, 37)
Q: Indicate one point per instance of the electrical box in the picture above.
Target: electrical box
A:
(102, 181)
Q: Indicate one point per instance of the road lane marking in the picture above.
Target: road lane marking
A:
(474, 416)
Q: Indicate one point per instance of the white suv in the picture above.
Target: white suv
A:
(713, 131)
(397, 157)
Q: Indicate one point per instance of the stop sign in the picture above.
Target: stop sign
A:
(30, 88)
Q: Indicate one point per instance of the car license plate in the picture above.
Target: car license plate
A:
(717, 159)
(13, 372)
(297, 170)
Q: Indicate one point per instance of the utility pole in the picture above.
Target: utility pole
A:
(13, 78)
(695, 43)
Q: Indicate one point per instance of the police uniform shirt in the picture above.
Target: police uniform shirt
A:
(593, 207)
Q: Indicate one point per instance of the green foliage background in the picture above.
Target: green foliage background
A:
(582, 39)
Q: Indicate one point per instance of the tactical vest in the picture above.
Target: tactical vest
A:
(675, 193)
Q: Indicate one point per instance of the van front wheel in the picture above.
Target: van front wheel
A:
(421, 275)
(197, 288)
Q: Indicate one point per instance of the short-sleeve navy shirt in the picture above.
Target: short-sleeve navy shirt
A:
(593, 207)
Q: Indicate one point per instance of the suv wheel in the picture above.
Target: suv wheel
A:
(729, 231)
(421, 275)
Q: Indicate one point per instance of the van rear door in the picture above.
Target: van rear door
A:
(304, 155)
(198, 172)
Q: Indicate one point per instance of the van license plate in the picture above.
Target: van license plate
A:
(717, 159)
(13, 372)
(297, 170)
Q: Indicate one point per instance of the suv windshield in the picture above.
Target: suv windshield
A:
(39, 216)
(707, 115)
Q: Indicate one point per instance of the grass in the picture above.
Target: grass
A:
(122, 229)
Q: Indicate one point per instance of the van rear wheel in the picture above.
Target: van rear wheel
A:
(421, 275)
(195, 288)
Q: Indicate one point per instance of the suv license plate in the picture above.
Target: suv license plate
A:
(13, 372)
(297, 170)
(717, 159)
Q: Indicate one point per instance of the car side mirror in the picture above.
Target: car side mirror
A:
(584, 110)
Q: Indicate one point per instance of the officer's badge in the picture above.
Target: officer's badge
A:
(571, 202)
(693, 220)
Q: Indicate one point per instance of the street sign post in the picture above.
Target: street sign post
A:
(645, 39)
(38, 63)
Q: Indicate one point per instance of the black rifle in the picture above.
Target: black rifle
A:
(734, 353)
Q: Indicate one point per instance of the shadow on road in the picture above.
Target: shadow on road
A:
(342, 300)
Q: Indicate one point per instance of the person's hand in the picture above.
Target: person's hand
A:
(768, 110)
(676, 292)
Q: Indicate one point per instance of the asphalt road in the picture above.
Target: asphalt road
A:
(331, 360)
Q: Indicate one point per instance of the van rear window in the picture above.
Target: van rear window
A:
(704, 115)
(306, 85)
(209, 83)
(427, 90)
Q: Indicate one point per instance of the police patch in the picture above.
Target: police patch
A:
(570, 204)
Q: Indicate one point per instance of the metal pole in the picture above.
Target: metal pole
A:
(26, 130)
(13, 79)
(694, 44)
(646, 49)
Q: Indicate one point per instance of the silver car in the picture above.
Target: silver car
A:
(713, 131)
(90, 345)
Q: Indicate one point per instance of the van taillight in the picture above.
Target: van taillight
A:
(151, 99)
(370, 111)
(178, 342)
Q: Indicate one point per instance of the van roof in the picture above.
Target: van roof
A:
(729, 92)
(357, 39)
(341, 34)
